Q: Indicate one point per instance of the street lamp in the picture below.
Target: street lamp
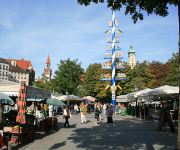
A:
(67, 98)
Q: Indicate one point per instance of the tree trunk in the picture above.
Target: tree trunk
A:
(178, 139)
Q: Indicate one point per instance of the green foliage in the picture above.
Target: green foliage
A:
(140, 76)
(173, 76)
(136, 7)
(44, 84)
(67, 76)
(91, 80)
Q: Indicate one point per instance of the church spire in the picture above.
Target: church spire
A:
(48, 62)
(47, 69)
(131, 50)
(132, 57)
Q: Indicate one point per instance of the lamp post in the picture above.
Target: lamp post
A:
(67, 98)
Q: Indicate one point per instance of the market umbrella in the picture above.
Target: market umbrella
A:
(5, 99)
(55, 102)
(68, 98)
(90, 98)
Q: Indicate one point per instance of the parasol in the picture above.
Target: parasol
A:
(90, 98)
(55, 102)
(5, 99)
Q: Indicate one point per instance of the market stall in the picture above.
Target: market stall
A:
(20, 126)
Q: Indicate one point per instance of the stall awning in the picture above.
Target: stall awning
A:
(12, 89)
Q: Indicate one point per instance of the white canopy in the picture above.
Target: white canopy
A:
(163, 90)
(134, 95)
(122, 98)
(69, 97)
(12, 89)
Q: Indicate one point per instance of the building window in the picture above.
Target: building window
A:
(3, 67)
(7, 67)
(0, 66)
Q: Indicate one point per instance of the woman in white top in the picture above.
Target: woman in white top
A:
(66, 115)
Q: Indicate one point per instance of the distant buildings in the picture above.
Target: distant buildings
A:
(4, 69)
(132, 57)
(17, 70)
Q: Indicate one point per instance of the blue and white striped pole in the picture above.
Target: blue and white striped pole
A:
(113, 90)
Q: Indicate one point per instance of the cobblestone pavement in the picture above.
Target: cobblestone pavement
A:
(126, 133)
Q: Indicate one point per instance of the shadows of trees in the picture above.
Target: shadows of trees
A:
(123, 135)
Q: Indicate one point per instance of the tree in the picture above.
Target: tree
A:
(67, 76)
(140, 77)
(91, 80)
(160, 72)
(172, 78)
(136, 7)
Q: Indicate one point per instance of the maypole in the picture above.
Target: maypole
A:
(113, 87)
(114, 63)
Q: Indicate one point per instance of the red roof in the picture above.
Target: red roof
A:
(24, 64)
(48, 60)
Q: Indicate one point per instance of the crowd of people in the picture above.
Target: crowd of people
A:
(97, 109)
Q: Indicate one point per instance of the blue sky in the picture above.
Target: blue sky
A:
(64, 29)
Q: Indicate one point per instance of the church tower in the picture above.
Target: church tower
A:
(132, 57)
(47, 69)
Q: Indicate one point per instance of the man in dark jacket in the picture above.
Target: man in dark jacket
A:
(165, 116)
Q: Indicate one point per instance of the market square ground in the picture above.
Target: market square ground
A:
(126, 133)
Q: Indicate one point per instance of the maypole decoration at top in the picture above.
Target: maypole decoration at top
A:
(113, 59)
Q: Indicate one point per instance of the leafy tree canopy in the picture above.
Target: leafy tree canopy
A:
(173, 76)
(91, 79)
(67, 76)
(140, 76)
(160, 72)
(136, 7)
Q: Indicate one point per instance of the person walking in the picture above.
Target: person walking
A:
(165, 117)
(83, 111)
(66, 115)
(96, 114)
(104, 109)
(76, 109)
(109, 113)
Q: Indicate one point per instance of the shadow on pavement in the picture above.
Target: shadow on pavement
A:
(123, 135)
(58, 145)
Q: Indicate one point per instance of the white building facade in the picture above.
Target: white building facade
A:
(4, 69)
